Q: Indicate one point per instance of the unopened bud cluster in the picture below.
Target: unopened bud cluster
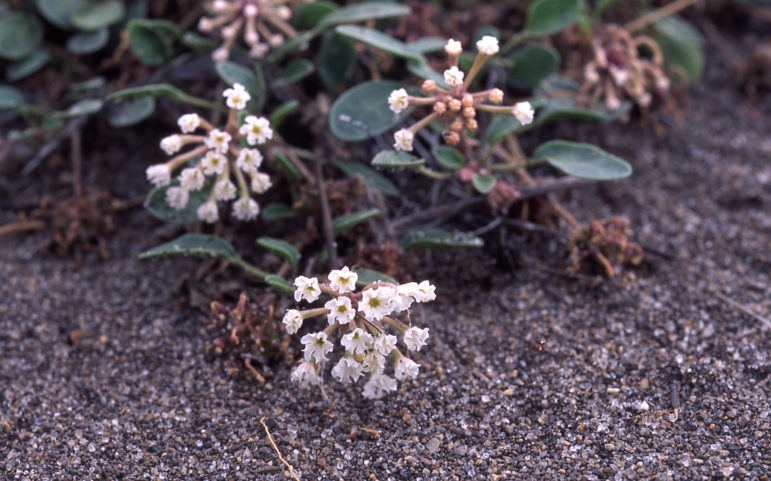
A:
(264, 24)
(362, 322)
(617, 71)
(218, 154)
(455, 107)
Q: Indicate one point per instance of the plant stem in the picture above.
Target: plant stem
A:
(326, 218)
(657, 15)
(253, 270)
(433, 174)
(513, 42)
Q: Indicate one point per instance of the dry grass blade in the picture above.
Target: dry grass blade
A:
(280, 456)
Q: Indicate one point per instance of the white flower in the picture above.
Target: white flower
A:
(189, 122)
(171, 144)
(524, 112)
(306, 288)
(208, 212)
(343, 280)
(305, 374)
(246, 209)
(257, 130)
(427, 290)
(191, 178)
(220, 55)
(453, 48)
(347, 370)
(397, 101)
(385, 343)
(403, 140)
(377, 303)
(406, 294)
(488, 45)
(225, 190)
(260, 182)
(249, 160)
(415, 338)
(159, 174)
(340, 310)
(373, 361)
(406, 368)
(495, 96)
(379, 386)
(259, 50)
(237, 97)
(177, 197)
(357, 341)
(453, 76)
(293, 320)
(316, 346)
(218, 140)
(213, 163)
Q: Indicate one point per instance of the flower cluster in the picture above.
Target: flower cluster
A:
(360, 318)
(264, 20)
(616, 70)
(455, 107)
(221, 155)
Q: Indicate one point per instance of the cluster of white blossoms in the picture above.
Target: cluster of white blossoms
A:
(360, 320)
(264, 23)
(456, 108)
(221, 156)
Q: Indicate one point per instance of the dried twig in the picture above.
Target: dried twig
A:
(740, 307)
(280, 456)
(656, 15)
(21, 226)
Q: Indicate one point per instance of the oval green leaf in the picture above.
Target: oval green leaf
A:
(131, 112)
(280, 247)
(81, 109)
(308, 15)
(362, 112)
(531, 64)
(368, 276)
(27, 66)
(382, 41)
(449, 157)
(58, 12)
(583, 160)
(438, 238)
(545, 17)
(374, 180)
(277, 211)
(295, 71)
(10, 97)
(279, 283)
(284, 110)
(362, 12)
(501, 126)
(681, 45)
(20, 35)
(483, 183)
(194, 245)
(251, 79)
(88, 42)
(392, 159)
(336, 60)
(345, 222)
(157, 206)
(98, 15)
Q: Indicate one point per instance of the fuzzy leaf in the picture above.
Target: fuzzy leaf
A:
(251, 79)
(681, 45)
(98, 15)
(531, 64)
(362, 112)
(10, 97)
(583, 160)
(545, 17)
(20, 35)
(483, 183)
(280, 247)
(81, 109)
(368, 276)
(295, 71)
(27, 66)
(88, 42)
(308, 15)
(372, 178)
(428, 44)
(59, 12)
(345, 222)
(382, 41)
(449, 157)
(362, 12)
(157, 206)
(282, 112)
(336, 60)
(437, 238)
(195, 245)
(150, 44)
(501, 126)
(277, 211)
(279, 283)
(131, 112)
(391, 159)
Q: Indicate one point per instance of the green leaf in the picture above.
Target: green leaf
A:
(295, 71)
(483, 183)
(287, 167)
(155, 90)
(545, 17)
(372, 178)
(382, 41)
(362, 112)
(99, 15)
(252, 80)
(564, 108)
(27, 66)
(282, 112)
(531, 64)
(449, 157)
(91, 85)
(10, 97)
(88, 42)
(501, 126)
(681, 45)
(279, 283)
(149, 44)
(194, 245)
(336, 60)
(280, 247)
(81, 109)
(277, 211)
(157, 206)
(362, 12)
(20, 35)
(583, 160)
(58, 12)
(197, 43)
(277, 54)
(425, 72)
(428, 44)
(368, 276)
(131, 112)
(345, 222)
(391, 159)
(438, 238)
(308, 15)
